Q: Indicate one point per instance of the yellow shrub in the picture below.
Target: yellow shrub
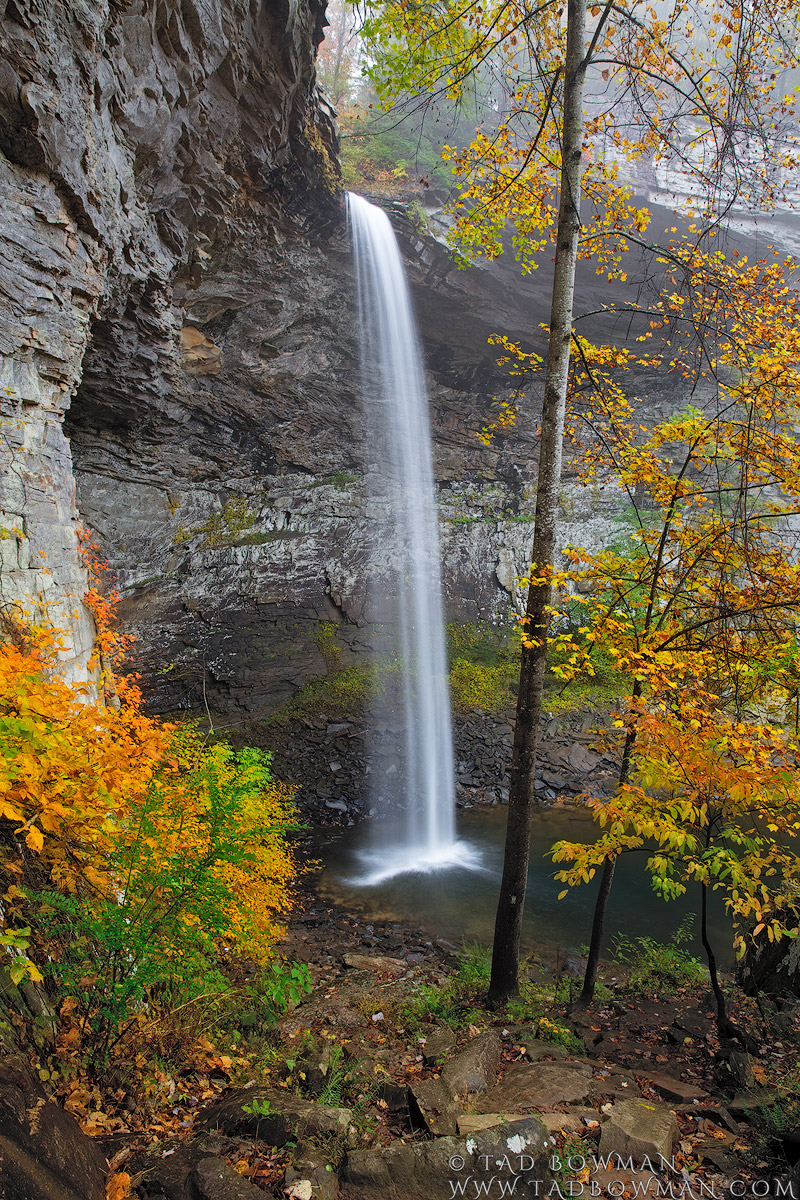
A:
(153, 834)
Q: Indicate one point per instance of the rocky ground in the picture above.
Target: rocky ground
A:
(369, 1094)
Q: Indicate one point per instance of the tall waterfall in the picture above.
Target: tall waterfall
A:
(405, 576)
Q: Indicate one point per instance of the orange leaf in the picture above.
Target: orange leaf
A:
(118, 1186)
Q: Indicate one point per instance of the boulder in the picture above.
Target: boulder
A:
(639, 1128)
(474, 1068)
(214, 1179)
(734, 1070)
(44, 1155)
(535, 1047)
(715, 1112)
(438, 1043)
(274, 1117)
(676, 1089)
(536, 1050)
(166, 1171)
(428, 1170)
(572, 1121)
(615, 1085)
(469, 1123)
(537, 1087)
(310, 1167)
(433, 1106)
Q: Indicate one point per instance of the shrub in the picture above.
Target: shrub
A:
(655, 966)
(134, 854)
(69, 769)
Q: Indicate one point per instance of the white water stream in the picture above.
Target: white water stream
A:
(405, 577)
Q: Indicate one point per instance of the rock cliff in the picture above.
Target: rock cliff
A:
(178, 340)
(133, 135)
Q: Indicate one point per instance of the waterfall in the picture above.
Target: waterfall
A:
(405, 581)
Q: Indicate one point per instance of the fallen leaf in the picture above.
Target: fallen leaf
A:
(118, 1186)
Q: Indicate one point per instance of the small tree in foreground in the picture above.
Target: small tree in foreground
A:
(132, 854)
(714, 801)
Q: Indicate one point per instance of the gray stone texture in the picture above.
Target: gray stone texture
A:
(274, 1116)
(433, 1106)
(423, 1171)
(529, 1087)
(641, 1128)
(43, 1153)
(475, 1066)
(129, 134)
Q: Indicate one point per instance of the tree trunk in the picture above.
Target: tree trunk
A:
(726, 1029)
(598, 924)
(606, 879)
(723, 1025)
(522, 800)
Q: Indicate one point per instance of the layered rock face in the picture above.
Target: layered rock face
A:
(236, 507)
(239, 505)
(131, 133)
(177, 298)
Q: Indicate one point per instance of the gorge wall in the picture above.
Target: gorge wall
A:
(178, 342)
(133, 136)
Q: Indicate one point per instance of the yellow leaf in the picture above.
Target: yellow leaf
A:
(34, 839)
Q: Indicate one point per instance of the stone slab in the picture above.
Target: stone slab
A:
(474, 1067)
(675, 1089)
(433, 1105)
(286, 1118)
(424, 1170)
(539, 1087)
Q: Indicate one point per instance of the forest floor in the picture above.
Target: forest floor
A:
(390, 1007)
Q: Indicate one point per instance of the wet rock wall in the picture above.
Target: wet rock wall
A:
(129, 136)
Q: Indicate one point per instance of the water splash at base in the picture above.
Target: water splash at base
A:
(376, 867)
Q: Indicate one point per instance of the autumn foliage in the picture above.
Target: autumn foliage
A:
(715, 803)
(135, 854)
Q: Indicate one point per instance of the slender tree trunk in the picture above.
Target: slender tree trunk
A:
(522, 799)
(598, 925)
(606, 879)
(726, 1029)
(723, 1024)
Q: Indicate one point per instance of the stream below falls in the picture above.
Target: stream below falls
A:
(459, 903)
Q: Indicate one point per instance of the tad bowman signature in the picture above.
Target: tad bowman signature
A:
(493, 1178)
